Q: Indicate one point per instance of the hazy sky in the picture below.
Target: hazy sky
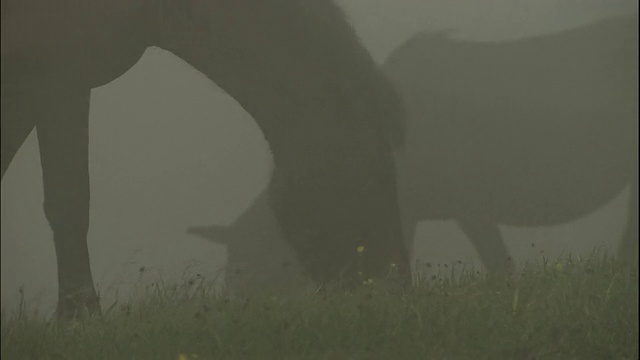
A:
(220, 163)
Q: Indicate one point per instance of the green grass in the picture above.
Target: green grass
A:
(580, 309)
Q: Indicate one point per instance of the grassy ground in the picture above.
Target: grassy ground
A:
(574, 309)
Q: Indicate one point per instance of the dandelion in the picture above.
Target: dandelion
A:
(558, 266)
(360, 249)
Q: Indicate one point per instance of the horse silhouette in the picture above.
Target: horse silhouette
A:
(330, 117)
(531, 132)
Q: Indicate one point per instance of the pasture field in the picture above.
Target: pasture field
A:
(570, 309)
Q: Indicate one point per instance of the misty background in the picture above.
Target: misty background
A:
(147, 189)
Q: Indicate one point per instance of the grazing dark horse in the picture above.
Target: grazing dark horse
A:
(331, 119)
(531, 132)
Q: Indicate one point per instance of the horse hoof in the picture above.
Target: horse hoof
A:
(80, 304)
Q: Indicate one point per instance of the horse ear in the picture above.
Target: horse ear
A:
(216, 233)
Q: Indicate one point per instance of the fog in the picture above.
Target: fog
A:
(146, 190)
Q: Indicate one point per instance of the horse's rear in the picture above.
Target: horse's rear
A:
(531, 132)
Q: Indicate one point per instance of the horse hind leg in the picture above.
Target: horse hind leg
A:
(62, 127)
(487, 240)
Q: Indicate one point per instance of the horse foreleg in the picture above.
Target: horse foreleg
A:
(16, 124)
(62, 127)
(487, 240)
